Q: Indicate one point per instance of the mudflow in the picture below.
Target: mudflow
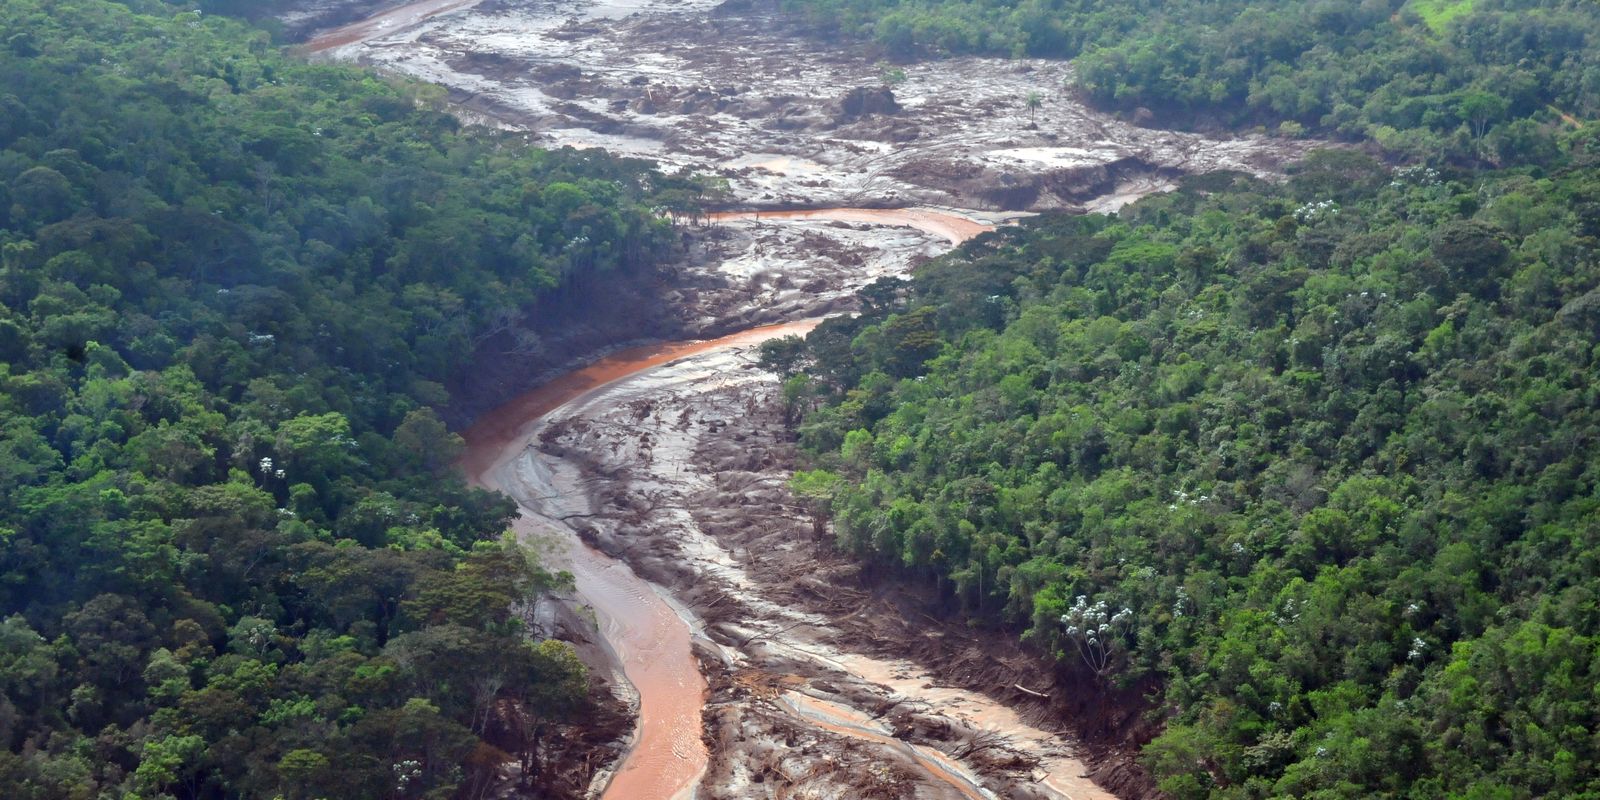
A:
(759, 662)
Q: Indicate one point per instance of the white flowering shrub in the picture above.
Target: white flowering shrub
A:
(405, 773)
(1416, 175)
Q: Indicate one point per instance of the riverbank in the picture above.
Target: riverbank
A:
(761, 663)
(748, 270)
(683, 473)
(650, 648)
(673, 460)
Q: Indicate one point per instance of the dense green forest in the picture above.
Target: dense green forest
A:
(1460, 80)
(234, 559)
(1322, 459)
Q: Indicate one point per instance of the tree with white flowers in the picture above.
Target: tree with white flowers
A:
(1097, 631)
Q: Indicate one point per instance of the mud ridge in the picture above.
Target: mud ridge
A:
(900, 616)
(721, 531)
(744, 91)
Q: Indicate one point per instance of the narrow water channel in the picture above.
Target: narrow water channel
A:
(647, 635)
(645, 631)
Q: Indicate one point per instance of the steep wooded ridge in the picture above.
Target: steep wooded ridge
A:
(234, 557)
(1319, 458)
(1471, 80)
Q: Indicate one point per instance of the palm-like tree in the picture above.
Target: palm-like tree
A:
(1033, 103)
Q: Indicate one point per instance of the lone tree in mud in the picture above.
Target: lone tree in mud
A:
(783, 355)
(1033, 103)
(817, 488)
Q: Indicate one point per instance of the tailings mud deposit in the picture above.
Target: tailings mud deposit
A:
(641, 457)
(762, 664)
(732, 89)
(647, 635)
(653, 468)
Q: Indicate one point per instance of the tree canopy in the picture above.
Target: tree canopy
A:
(1491, 81)
(1319, 458)
(235, 559)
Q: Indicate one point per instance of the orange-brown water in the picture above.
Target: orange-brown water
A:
(392, 20)
(495, 437)
(651, 640)
(954, 227)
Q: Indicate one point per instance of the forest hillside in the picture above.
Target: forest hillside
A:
(235, 559)
(1468, 80)
(1317, 459)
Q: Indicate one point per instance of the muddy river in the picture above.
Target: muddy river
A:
(652, 635)
(648, 635)
(658, 475)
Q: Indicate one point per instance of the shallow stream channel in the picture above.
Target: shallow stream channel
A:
(758, 664)
(628, 430)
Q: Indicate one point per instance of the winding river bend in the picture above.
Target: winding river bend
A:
(647, 633)
(651, 635)
(647, 636)
(657, 428)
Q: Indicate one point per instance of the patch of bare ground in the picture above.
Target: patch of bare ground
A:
(736, 90)
(812, 659)
(824, 679)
